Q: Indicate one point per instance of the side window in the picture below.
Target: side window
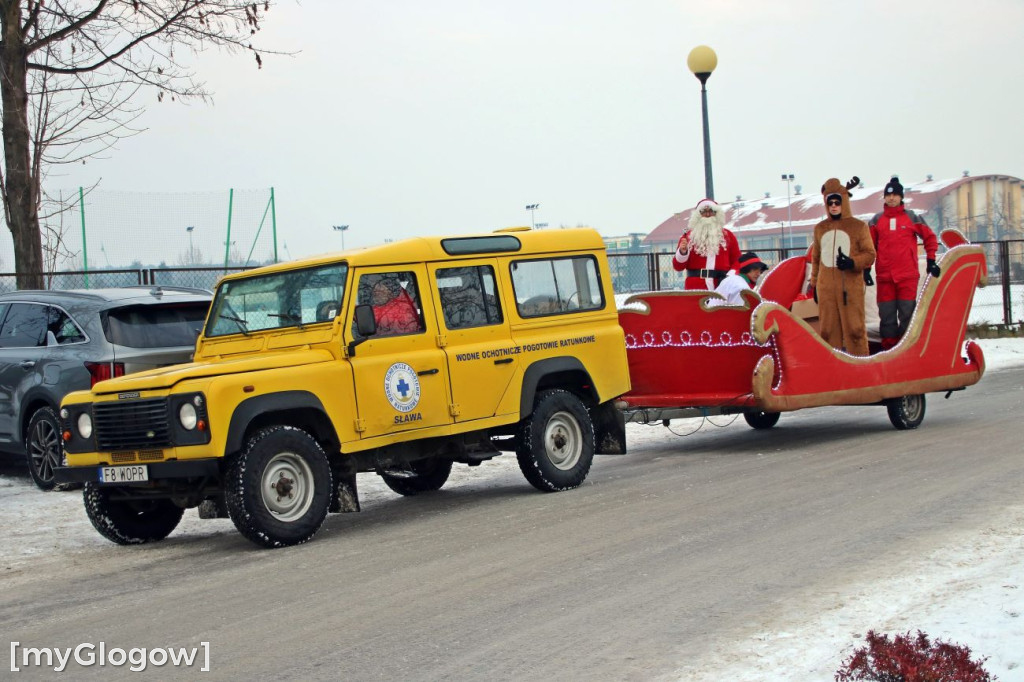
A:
(63, 327)
(556, 285)
(468, 297)
(395, 298)
(24, 326)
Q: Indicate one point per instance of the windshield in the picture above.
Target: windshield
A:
(279, 300)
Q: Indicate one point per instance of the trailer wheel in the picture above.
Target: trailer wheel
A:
(422, 476)
(278, 489)
(906, 412)
(555, 444)
(761, 420)
(129, 522)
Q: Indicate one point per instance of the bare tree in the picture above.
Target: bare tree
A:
(70, 73)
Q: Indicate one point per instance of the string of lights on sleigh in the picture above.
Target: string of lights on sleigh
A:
(706, 340)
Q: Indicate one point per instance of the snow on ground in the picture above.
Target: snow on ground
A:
(971, 591)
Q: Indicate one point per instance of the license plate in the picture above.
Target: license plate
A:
(129, 474)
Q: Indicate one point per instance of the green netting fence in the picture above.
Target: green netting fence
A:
(86, 231)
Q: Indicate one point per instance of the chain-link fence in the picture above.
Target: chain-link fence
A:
(999, 303)
(195, 278)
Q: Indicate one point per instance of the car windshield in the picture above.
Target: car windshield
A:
(274, 301)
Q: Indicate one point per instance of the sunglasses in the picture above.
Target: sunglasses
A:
(835, 202)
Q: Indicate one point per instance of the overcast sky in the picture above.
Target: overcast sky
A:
(405, 117)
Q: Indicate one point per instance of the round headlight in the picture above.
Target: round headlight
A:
(187, 416)
(85, 425)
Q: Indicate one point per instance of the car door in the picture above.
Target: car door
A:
(400, 375)
(22, 342)
(475, 336)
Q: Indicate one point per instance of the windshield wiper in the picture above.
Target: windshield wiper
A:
(243, 326)
(289, 317)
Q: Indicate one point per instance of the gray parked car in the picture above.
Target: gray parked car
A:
(54, 342)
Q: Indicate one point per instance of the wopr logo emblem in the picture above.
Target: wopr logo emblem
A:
(402, 387)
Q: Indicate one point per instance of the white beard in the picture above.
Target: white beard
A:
(707, 237)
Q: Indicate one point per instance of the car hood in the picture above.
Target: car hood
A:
(165, 377)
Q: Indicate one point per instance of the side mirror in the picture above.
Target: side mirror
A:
(366, 323)
(366, 326)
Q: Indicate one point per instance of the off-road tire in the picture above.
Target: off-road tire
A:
(761, 420)
(555, 444)
(129, 522)
(278, 489)
(44, 450)
(422, 476)
(907, 412)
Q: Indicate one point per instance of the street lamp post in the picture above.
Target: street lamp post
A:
(343, 229)
(191, 251)
(788, 177)
(531, 208)
(702, 61)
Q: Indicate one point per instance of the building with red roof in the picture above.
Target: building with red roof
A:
(986, 207)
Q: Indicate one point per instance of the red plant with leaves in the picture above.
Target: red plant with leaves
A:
(911, 659)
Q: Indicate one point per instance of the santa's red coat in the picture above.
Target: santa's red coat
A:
(727, 258)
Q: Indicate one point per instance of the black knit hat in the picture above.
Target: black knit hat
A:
(749, 261)
(894, 187)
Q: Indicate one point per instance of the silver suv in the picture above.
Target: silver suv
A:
(54, 342)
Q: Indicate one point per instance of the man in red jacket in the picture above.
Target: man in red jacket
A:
(393, 309)
(707, 251)
(895, 232)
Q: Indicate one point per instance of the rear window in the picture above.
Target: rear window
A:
(155, 326)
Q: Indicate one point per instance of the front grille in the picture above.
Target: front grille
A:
(132, 424)
(122, 457)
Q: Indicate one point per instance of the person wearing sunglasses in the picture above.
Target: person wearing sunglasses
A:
(841, 251)
(895, 232)
(707, 251)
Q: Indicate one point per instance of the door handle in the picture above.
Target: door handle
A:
(427, 371)
(503, 361)
(27, 364)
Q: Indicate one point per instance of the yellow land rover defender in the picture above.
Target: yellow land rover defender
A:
(397, 359)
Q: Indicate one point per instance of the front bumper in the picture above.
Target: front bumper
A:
(177, 469)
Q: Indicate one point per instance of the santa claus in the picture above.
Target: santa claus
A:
(707, 251)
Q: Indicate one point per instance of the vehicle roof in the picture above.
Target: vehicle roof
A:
(429, 249)
(110, 294)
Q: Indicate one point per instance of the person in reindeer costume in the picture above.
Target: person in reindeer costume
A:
(841, 251)
(895, 232)
(707, 251)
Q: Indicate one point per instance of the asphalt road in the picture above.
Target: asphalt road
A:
(665, 553)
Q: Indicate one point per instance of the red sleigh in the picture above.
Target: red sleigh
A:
(689, 358)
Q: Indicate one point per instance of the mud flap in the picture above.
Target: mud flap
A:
(609, 429)
(346, 496)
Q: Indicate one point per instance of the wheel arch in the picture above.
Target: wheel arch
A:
(301, 409)
(567, 373)
(29, 406)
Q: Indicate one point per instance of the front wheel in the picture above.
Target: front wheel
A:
(906, 412)
(126, 521)
(761, 420)
(278, 489)
(422, 476)
(555, 444)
